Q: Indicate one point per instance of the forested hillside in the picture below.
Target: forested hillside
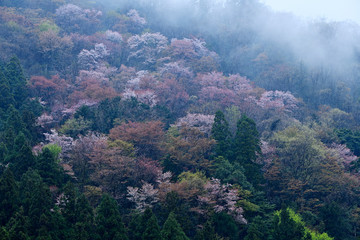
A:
(164, 119)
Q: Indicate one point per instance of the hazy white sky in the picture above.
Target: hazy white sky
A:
(338, 10)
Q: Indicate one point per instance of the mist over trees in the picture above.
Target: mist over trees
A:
(169, 119)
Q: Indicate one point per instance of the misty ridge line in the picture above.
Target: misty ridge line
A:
(249, 22)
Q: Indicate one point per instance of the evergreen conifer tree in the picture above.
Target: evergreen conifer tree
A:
(152, 230)
(69, 204)
(220, 132)
(285, 228)
(6, 96)
(21, 157)
(108, 220)
(138, 224)
(4, 235)
(36, 199)
(48, 168)
(172, 229)
(18, 226)
(3, 152)
(84, 219)
(135, 227)
(255, 230)
(246, 147)
(9, 195)
(17, 81)
(207, 233)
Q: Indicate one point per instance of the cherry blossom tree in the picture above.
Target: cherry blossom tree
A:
(66, 143)
(223, 198)
(342, 154)
(113, 36)
(190, 48)
(143, 197)
(89, 59)
(202, 122)
(176, 70)
(278, 100)
(136, 22)
(182, 74)
(173, 95)
(146, 48)
(145, 96)
(75, 18)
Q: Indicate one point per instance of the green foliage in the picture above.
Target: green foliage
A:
(246, 146)
(114, 111)
(220, 132)
(75, 126)
(48, 26)
(17, 81)
(172, 229)
(9, 196)
(350, 138)
(289, 225)
(247, 141)
(225, 226)
(336, 220)
(144, 226)
(18, 226)
(207, 232)
(84, 226)
(48, 168)
(152, 229)
(108, 220)
(21, 157)
(35, 198)
(54, 149)
(6, 96)
(255, 230)
(4, 235)
(232, 173)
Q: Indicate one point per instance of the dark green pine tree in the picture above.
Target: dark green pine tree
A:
(108, 220)
(220, 132)
(336, 220)
(18, 226)
(84, 226)
(4, 235)
(255, 229)
(138, 224)
(246, 146)
(6, 96)
(44, 228)
(17, 81)
(172, 229)
(136, 227)
(48, 168)
(225, 226)
(29, 120)
(21, 157)
(285, 228)
(9, 196)
(15, 125)
(207, 232)
(55, 225)
(36, 199)
(152, 229)
(69, 203)
(3, 152)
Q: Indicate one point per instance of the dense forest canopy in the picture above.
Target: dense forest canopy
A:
(167, 119)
